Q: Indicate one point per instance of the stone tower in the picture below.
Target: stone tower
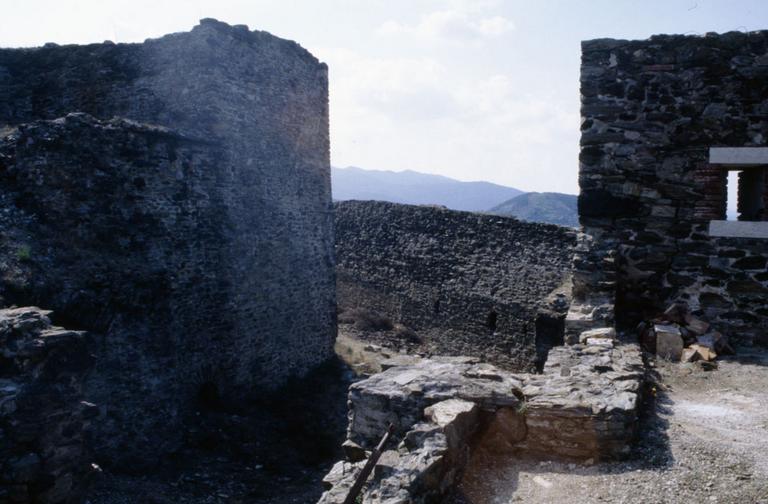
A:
(173, 199)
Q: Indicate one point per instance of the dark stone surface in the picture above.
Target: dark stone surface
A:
(600, 203)
(651, 110)
(201, 254)
(467, 284)
(43, 418)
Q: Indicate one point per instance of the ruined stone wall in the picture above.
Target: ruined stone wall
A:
(201, 253)
(651, 110)
(453, 416)
(468, 284)
(43, 417)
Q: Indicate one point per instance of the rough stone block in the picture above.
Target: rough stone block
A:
(669, 342)
(696, 325)
(602, 333)
(705, 353)
(43, 419)
(399, 395)
(689, 355)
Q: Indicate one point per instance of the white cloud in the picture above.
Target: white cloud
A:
(454, 25)
(495, 26)
(415, 113)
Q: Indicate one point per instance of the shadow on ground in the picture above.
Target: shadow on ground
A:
(490, 479)
(274, 450)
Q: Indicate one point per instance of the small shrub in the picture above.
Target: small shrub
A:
(24, 253)
(406, 333)
(366, 320)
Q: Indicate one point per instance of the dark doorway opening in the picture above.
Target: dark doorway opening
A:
(208, 397)
(492, 320)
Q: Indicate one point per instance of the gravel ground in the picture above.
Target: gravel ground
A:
(704, 438)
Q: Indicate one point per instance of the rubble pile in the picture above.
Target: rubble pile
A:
(678, 335)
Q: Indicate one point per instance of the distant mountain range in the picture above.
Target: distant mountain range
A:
(416, 188)
(554, 208)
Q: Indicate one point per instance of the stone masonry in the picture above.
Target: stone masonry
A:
(43, 417)
(191, 235)
(651, 110)
(467, 284)
(445, 411)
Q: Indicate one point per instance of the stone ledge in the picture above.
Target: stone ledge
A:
(738, 156)
(738, 229)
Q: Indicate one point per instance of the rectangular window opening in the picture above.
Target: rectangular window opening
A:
(732, 195)
(743, 202)
(745, 198)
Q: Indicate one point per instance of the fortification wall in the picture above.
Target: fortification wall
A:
(651, 110)
(467, 284)
(195, 236)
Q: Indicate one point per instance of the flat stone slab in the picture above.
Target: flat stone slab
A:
(601, 333)
(740, 156)
(738, 229)
(400, 394)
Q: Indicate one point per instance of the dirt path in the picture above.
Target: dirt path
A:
(706, 442)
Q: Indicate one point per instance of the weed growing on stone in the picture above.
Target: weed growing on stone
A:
(24, 253)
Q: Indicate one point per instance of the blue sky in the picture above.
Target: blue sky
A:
(470, 89)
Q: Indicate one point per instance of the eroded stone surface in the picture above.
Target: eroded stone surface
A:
(194, 232)
(399, 395)
(669, 341)
(599, 333)
(42, 413)
(423, 467)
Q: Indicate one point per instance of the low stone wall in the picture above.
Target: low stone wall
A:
(593, 286)
(584, 406)
(467, 284)
(43, 417)
(425, 465)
